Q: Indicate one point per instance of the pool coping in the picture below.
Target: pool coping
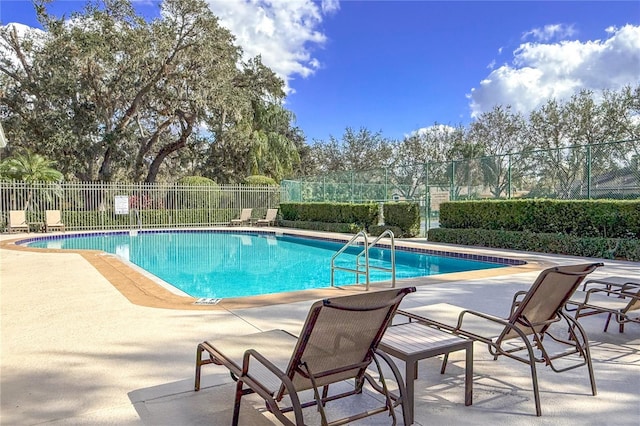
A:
(144, 289)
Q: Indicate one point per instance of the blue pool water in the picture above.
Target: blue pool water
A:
(227, 264)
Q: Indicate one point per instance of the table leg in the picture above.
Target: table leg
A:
(468, 374)
(410, 368)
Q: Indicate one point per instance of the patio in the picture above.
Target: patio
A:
(76, 351)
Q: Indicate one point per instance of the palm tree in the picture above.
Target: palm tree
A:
(29, 168)
(273, 151)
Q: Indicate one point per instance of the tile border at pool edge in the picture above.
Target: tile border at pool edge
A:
(382, 244)
(145, 291)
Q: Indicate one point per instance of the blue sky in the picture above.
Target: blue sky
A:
(400, 66)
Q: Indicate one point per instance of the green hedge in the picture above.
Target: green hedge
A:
(362, 215)
(558, 243)
(96, 219)
(376, 230)
(344, 228)
(584, 218)
(402, 218)
(259, 180)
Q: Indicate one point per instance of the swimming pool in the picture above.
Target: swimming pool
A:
(223, 264)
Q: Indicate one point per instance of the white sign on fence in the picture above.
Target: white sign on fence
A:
(121, 204)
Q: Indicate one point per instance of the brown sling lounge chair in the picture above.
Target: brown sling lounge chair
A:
(53, 220)
(619, 297)
(523, 333)
(338, 342)
(245, 218)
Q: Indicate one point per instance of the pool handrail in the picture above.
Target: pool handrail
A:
(356, 271)
(393, 255)
(367, 266)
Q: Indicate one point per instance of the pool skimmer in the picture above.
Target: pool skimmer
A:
(207, 301)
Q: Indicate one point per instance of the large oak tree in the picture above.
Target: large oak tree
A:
(113, 96)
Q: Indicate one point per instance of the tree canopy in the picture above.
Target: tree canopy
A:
(116, 97)
(109, 96)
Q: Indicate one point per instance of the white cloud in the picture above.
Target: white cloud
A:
(559, 70)
(22, 31)
(436, 129)
(550, 32)
(330, 6)
(282, 31)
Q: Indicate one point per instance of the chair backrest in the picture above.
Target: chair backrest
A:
(271, 215)
(339, 337)
(547, 295)
(245, 214)
(17, 217)
(53, 217)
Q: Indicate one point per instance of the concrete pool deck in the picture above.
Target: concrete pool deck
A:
(76, 350)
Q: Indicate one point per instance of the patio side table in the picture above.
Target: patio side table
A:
(411, 342)
(37, 227)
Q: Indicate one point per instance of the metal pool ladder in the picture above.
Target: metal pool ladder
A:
(364, 268)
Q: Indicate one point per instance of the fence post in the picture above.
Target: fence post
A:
(352, 188)
(427, 220)
(452, 181)
(386, 189)
(509, 176)
(589, 171)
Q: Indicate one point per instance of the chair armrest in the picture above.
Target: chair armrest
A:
(610, 285)
(252, 353)
(492, 318)
(630, 286)
(516, 300)
(620, 293)
(490, 341)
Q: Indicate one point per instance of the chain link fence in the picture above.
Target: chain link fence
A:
(609, 170)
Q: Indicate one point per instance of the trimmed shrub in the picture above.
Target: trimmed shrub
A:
(377, 230)
(344, 228)
(150, 218)
(584, 218)
(558, 243)
(363, 215)
(196, 181)
(259, 180)
(403, 216)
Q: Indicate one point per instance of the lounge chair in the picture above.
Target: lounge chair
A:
(17, 221)
(269, 219)
(619, 297)
(245, 217)
(533, 312)
(338, 342)
(53, 221)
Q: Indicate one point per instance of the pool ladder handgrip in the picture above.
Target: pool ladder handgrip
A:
(365, 252)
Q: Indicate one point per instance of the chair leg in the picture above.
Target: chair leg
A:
(582, 345)
(198, 365)
(592, 378)
(407, 410)
(444, 363)
(536, 390)
(620, 324)
(236, 405)
(606, 324)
